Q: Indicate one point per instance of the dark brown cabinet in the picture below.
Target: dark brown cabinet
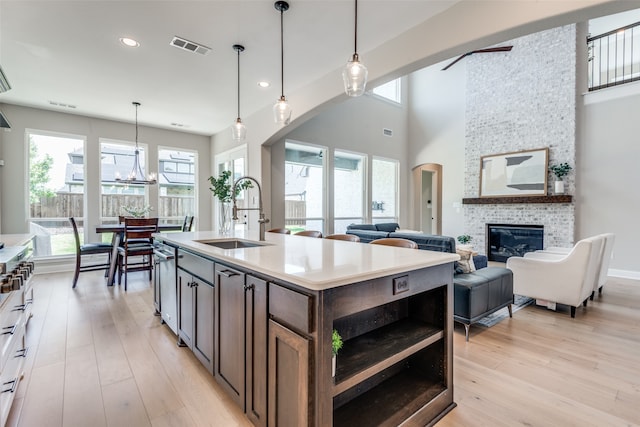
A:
(256, 350)
(241, 340)
(288, 377)
(196, 298)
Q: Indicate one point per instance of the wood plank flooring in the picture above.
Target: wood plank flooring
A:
(99, 357)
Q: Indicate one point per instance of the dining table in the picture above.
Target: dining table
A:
(118, 230)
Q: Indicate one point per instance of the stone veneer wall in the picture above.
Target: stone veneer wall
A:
(518, 100)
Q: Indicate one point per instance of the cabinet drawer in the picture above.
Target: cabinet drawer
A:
(291, 308)
(11, 324)
(10, 376)
(196, 265)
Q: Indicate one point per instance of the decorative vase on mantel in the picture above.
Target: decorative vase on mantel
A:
(224, 218)
(558, 187)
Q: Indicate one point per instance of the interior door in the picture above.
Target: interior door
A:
(427, 184)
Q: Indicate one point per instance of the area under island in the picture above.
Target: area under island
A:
(260, 317)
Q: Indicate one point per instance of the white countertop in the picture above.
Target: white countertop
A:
(316, 264)
(15, 239)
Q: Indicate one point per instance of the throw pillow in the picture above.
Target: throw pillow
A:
(466, 260)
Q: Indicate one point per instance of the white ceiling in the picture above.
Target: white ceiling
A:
(69, 52)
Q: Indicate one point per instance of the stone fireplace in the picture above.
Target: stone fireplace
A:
(523, 100)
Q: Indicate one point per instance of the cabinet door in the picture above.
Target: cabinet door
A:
(256, 350)
(230, 365)
(288, 377)
(185, 305)
(203, 322)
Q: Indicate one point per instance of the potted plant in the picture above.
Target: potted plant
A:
(464, 241)
(336, 345)
(221, 188)
(135, 211)
(560, 171)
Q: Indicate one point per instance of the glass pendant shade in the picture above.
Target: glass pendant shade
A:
(238, 130)
(282, 111)
(354, 76)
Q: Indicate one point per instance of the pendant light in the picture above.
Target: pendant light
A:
(136, 176)
(238, 130)
(282, 109)
(355, 73)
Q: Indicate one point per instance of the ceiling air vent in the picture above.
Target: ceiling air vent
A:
(387, 132)
(190, 46)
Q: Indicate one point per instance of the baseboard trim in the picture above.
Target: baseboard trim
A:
(625, 274)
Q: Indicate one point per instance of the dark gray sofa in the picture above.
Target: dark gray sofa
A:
(476, 294)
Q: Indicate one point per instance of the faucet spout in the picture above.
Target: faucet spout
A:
(261, 220)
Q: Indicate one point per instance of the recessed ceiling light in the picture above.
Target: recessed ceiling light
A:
(129, 42)
(264, 84)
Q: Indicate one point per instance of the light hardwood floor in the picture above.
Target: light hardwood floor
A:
(98, 357)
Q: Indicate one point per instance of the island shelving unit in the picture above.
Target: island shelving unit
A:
(393, 308)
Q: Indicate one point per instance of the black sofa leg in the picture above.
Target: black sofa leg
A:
(510, 310)
(573, 312)
(466, 332)
(592, 295)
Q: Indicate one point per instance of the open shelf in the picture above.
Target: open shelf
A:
(368, 354)
(390, 402)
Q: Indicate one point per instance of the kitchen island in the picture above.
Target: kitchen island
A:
(260, 316)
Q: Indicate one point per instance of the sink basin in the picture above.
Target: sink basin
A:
(232, 243)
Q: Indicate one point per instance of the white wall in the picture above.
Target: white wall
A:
(607, 192)
(14, 191)
(437, 134)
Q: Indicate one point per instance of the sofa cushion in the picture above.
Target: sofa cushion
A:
(430, 242)
(366, 236)
(389, 227)
(371, 227)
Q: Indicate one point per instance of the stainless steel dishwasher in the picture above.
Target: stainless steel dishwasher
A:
(165, 294)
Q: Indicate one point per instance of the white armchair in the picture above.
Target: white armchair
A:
(555, 252)
(563, 278)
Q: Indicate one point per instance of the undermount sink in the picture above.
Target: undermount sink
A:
(232, 243)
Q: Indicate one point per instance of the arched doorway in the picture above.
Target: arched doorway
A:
(427, 184)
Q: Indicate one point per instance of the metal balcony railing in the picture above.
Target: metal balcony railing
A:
(614, 57)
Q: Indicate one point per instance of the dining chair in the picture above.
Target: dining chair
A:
(309, 233)
(138, 242)
(188, 223)
(346, 237)
(279, 231)
(395, 241)
(88, 249)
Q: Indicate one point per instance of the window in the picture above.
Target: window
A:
(234, 161)
(384, 190)
(176, 185)
(348, 189)
(304, 199)
(116, 159)
(56, 191)
(390, 91)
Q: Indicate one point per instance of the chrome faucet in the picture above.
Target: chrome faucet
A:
(261, 220)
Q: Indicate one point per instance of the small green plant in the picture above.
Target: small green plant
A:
(561, 170)
(221, 187)
(464, 239)
(336, 342)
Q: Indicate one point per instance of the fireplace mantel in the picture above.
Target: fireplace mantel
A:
(562, 198)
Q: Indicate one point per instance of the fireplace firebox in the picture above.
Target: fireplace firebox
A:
(507, 240)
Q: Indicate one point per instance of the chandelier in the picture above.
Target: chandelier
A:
(136, 176)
